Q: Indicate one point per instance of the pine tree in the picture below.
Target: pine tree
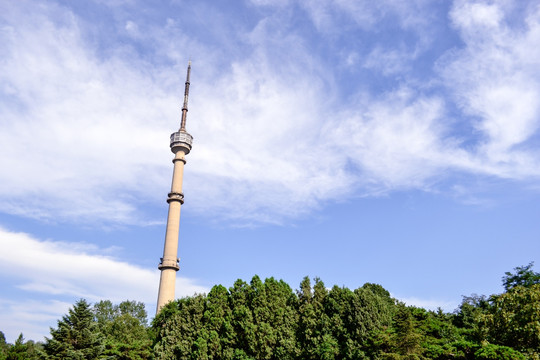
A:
(77, 336)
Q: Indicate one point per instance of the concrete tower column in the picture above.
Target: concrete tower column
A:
(180, 144)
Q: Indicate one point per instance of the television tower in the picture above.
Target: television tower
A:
(180, 145)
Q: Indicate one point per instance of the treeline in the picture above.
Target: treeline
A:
(269, 320)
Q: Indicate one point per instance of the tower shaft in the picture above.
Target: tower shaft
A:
(169, 262)
(180, 145)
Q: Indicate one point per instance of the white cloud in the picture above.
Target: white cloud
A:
(388, 62)
(75, 128)
(85, 134)
(395, 141)
(84, 130)
(496, 81)
(430, 304)
(66, 270)
(328, 15)
(472, 15)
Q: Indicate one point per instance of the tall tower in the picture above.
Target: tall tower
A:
(180, 145)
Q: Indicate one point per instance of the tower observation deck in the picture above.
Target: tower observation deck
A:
(181, 142)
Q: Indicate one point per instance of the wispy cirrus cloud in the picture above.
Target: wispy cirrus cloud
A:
(495, 80)
(274, 136)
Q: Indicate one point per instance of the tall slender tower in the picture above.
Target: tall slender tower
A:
(180, 145)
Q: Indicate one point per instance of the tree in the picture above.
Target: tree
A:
(77, 336)
(523, 276)
(315, 337)
(513, 319)
(18, 351)
(178, 326)
(123, 328)
(273, 306)
(407, 335)
(468, 316)
(3, 346)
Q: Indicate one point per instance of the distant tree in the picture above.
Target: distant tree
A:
(123, 328)
(523, 276)
(21, 350)
(18, 351)
(77, 335)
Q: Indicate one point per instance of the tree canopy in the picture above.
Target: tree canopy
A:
(522, 276)
(269, 320)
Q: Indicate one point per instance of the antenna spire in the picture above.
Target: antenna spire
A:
(186, 94)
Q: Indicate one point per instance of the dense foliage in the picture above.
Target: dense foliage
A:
(269, 320)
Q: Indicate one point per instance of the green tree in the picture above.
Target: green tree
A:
(242, 319)
(273, 305)
(513, 319)
(523, 276)
(177, 328)
(217, 335)
(3, 346)
(77, 336)
(315, 337)
(17, 351)
(407, 337)
(123, 328)
(267, 320)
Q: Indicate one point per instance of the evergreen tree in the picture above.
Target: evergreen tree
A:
(217, 336)
(407, 340)
(77, 336)
(242, 319)
(18, 351)
(267, 320)
(314, 328)
(178, 326)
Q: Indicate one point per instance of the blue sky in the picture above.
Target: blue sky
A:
(357, 141)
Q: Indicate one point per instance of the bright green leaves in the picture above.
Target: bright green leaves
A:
(123, 327)
(513, 319)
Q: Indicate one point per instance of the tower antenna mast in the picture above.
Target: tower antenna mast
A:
(186, 95)
(181, 142)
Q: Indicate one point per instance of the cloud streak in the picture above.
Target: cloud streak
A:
(85, 131)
